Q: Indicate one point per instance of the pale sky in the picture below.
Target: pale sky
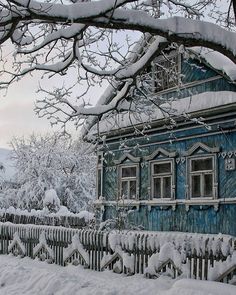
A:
(17, 117)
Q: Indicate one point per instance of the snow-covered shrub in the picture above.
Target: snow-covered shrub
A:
(51, 161)
(121, 219)
(51, 201)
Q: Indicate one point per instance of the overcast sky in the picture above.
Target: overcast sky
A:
(17, 117)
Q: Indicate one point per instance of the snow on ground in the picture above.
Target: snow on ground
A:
(29, 277)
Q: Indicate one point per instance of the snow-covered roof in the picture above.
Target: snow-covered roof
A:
(177, 108)
(109, 92)
(214, 59)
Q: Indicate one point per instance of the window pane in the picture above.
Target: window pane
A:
(208, 185)
(196, 186)
(124, 189)
(162, 168)
(166, 72)
(166, 187)
(202, 164)
(128, 172)
(132, 184)
(157, 188)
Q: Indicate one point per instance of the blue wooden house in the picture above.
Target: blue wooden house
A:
(176, 172)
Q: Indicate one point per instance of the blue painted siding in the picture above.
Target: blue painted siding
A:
(204, 219)
(196, 220)
(226, 142)
(193, 70)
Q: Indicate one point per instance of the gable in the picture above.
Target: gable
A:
(196, 76)
(194, 70)
(199, 82)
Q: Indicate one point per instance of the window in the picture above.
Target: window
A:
(163, 73)
(162, 179)
(202, 177)
(166, 72)
(128, 182)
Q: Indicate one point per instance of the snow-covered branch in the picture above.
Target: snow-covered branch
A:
(107, 14)
(82, 39)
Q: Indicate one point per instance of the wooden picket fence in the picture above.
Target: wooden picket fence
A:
(202, 251)
(66, 221)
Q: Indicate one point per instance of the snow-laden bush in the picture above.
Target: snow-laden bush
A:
(51, 161)
(51, 202)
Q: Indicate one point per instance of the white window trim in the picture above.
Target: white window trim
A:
(201, 173)
(161, 59)
(120, 180)
(171, 174)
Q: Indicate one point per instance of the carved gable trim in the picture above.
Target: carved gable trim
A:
(127, 156)
(202, 146)
(160, 151)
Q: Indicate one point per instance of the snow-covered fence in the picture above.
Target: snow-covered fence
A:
(66, 221)
(150, 253)
(70, 220)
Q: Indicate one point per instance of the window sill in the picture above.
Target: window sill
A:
(202, 202)
(167, 203)
(120, 203)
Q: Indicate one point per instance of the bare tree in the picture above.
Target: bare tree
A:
(81, 39)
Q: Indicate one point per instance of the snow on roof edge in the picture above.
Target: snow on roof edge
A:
(109, 91)
(188, 105)
(215, 59)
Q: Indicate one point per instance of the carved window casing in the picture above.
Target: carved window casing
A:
(162, 174)
(128, 177)
(128, 182)
(202, 172)
(162, 179)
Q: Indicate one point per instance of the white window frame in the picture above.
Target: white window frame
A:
(128, 179)
(162, 175)
(168, 84)
(201, 173)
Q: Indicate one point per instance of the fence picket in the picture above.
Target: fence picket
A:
(141, 245)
